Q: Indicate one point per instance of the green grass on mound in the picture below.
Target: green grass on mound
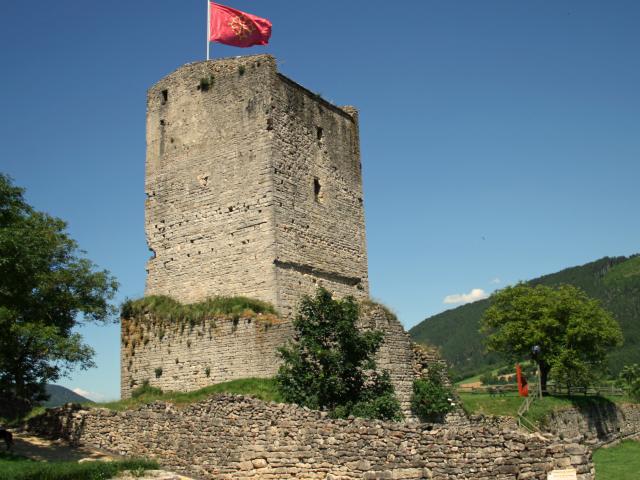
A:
(262, 388)
(485, 404)
(170, 310)
(13, 467)
(621, 462)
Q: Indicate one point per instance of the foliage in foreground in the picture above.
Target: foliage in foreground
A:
(573, 332)
(13, 467)
(170, 310)
(432, 399)
(261, 388)
(621, 462)
(47, 288)
(330, 364)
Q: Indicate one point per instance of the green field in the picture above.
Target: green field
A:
(13, 467)
(621, 462)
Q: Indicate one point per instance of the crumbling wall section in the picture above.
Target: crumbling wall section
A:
(185, 356)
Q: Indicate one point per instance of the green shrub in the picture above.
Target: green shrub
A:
(145, 389)
(432, 399)
(206, 83)
(158, 372)
(330, 364)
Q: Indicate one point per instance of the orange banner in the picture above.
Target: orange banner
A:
(523, 386)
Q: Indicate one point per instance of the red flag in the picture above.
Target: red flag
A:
(523, 386)
(236, 28)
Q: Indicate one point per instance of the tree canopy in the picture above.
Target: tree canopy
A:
(572, 331)
(47, 288)
(331, 364)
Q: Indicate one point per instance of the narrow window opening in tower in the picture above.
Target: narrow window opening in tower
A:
(319, 132)
(165, 96)
(317, 190)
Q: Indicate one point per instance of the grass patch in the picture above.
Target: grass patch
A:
(170, 310)
(14, 467)
(621, 462)
(508, 404)
(262, 388)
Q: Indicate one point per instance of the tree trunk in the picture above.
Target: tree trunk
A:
(545, 368)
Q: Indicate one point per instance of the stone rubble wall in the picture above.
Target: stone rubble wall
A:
(596, 424)
(235, 437)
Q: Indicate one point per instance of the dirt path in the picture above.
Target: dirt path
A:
(55, 450)
(42, 449)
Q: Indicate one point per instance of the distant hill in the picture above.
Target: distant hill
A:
(614, 281)
(60, 395)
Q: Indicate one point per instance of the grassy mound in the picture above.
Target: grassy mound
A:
(170, 310)
(508, 404)
(621, 462)
(261, 388)
(13, 467)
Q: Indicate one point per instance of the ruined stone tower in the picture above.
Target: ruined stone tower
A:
(253, 187)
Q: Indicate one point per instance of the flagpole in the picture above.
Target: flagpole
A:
(208, 26)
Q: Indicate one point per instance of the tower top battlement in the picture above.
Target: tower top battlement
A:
(253, 187)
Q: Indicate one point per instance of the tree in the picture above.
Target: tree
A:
(330, 364)
(572, 331)
(46, 289)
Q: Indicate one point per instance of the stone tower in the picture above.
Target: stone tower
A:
(253, 187)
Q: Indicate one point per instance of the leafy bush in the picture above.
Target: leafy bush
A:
(432, 399)
(330, 364)
(146, 389)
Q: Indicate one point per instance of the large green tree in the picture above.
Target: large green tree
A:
(47, 288)
(571, 331)
(331, 364)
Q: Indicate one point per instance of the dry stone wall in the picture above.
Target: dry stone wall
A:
(596, 424)
(253, 187)
(234, 437)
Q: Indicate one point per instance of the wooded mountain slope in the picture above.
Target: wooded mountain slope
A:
(614, 281)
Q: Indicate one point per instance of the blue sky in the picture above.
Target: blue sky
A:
(500, 139)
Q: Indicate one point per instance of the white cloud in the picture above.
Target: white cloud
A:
(472, 296)
(495, 281)
(96, 397)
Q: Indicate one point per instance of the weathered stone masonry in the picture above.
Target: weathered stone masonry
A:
(233, 437)
(253, 187)
(183, 357)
